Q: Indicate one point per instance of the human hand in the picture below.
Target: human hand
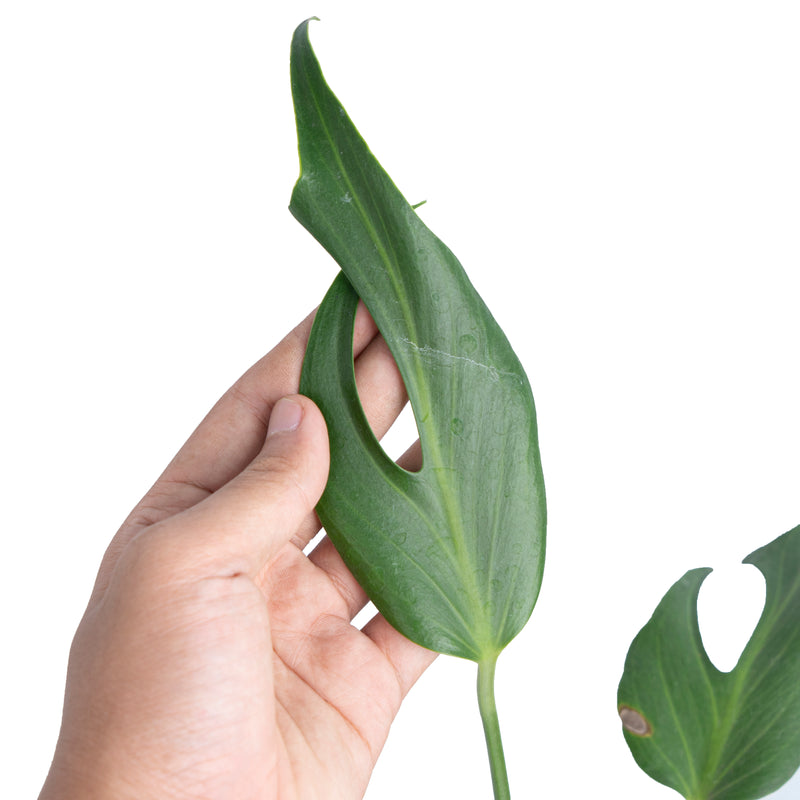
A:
(215, 659)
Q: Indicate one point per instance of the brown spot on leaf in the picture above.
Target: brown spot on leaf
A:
(634, 722)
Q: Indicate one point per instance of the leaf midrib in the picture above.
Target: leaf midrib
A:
(451, 506)
(742, 690)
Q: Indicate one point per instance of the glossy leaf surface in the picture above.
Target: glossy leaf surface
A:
(453, 554)
(710, 734)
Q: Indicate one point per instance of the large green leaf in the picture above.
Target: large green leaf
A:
(710, 734)
(452, 555)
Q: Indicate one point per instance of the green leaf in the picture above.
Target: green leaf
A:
(452, 555)
(710, 734)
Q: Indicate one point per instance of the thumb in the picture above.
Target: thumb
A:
(242, 525)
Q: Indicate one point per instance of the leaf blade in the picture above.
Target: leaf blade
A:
(476, 509)
(744, 725)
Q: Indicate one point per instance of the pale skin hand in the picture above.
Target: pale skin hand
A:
(216, 660)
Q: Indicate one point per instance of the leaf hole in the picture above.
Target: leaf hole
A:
(400, 442)
(729, 606)
(400, 438)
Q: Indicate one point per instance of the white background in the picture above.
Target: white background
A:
(621, 181)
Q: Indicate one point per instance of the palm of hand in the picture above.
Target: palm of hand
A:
(310, 727)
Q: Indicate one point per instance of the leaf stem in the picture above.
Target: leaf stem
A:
(491, 728)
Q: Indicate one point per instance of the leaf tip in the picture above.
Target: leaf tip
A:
(634, 722)
(300, 38)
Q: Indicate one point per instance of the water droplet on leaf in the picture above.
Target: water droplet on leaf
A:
(468, 343)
